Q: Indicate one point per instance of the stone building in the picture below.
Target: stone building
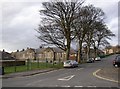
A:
(112, 49)
(29, 53)
(53, 54)
(49, 54)
(6, 56)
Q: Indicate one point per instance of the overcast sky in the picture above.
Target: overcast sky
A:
(20, 18)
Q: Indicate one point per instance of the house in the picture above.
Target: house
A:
(6, 56)
(53, 54)
(92, 53)
(49, 54)
(29, 53)
(112, 49)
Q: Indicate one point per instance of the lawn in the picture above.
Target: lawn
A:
(31, 66)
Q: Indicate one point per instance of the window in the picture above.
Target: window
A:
(118, 58)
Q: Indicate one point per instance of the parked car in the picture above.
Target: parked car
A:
(116, 62)
(97, 59)
(90, 60)
(70, 63)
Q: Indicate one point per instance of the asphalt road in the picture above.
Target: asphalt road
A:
(70, 77)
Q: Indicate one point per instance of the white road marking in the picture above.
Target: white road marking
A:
(91, 86)
(95, 74)
(67, 78)
(65, 86)
(78, 86)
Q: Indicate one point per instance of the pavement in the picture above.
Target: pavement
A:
(26, 73)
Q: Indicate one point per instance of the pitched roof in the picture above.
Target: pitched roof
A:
(39, 50)
(5, 56)
(55, 49)
(58, 50)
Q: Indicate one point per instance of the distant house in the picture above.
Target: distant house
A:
(29, 53)
(49, 54)
(53, 54)
(112, 49)
(6, 56)
(92, 54)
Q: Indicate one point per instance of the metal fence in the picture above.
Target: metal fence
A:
(32, 65)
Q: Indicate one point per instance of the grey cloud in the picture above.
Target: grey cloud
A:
(18, 26)
(19, 19)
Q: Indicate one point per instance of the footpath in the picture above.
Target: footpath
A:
(26, 73)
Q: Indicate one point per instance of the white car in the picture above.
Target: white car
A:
(70, 63)
(97, 59)
(90, 60)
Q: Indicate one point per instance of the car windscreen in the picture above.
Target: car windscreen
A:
(118, 58)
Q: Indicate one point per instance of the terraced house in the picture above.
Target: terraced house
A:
(29, 53)
(112, 49)
(49, 54)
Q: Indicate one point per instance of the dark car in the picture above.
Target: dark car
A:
(116, 62)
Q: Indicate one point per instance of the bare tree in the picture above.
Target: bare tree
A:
(101, 36)
(57, 25)
(88, 16)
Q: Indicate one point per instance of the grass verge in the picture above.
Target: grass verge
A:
(31, 66)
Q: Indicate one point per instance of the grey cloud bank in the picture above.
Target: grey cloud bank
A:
(18, 23)
(19, 19)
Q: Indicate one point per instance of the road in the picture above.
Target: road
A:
(70, 77)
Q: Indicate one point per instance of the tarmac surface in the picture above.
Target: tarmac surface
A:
(83, 76)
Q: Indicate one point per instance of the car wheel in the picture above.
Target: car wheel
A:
(116, 65)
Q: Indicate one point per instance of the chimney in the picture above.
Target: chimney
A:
(17, 50)
(3, 50)
(41, 47)
(23, 49)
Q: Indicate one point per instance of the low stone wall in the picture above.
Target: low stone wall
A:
(5, 63)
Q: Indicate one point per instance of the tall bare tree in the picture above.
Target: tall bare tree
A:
(101, 36)
(57, 26)
(88, 16)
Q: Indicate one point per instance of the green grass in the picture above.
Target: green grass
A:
(32, 66)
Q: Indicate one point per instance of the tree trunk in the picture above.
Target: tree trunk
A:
(80, 52)
(97, 49)
(68, 49)
(88, 51)
(94, 50)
